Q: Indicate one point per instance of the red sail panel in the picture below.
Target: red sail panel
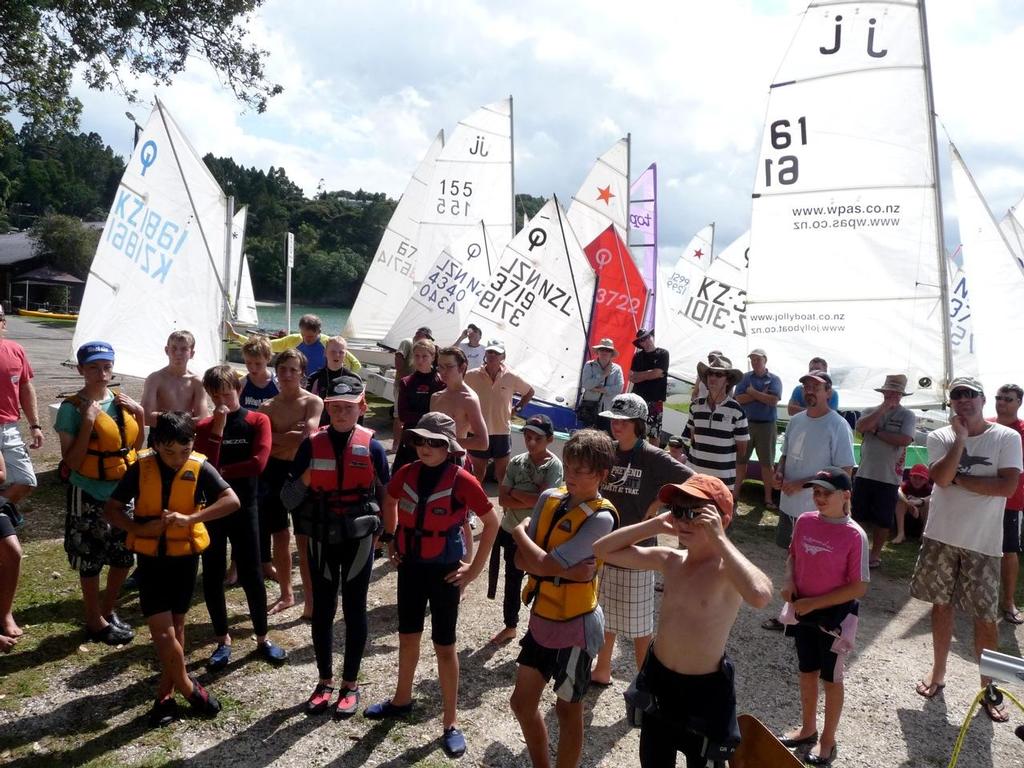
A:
(621, 295)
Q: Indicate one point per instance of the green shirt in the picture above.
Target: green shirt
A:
(69, 421)
(523, 475)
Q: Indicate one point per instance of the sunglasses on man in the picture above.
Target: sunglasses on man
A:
(963, 394)
(430, 442)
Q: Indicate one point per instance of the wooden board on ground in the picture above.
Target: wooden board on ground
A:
(759, 748)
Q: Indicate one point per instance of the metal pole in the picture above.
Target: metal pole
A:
(512, 159)
(226, 303)
(289, 263)
(940, 246)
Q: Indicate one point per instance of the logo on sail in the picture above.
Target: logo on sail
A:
(147, 155)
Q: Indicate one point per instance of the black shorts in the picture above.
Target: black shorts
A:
(570, 667)
(166, 583)
(420, 584)
(1011, 530)
(7, 527)
(874, 502)
(273, 515)
(498, 447)
(814, 645)
(695, 713)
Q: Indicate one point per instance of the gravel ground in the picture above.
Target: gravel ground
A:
(93, 707)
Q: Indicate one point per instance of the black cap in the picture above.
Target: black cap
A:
(540, 424)
(831, 479)
(424, 332)
(347, 388)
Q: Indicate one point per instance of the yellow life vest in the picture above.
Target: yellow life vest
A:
(175, 541)
(556, 598)
(111, 444)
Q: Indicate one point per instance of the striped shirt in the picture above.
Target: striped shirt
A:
(713, 433)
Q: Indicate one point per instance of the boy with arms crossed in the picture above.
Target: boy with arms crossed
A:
(174, 387)
(294, 415)
(175, 491)
(555, 546)
(687, 670)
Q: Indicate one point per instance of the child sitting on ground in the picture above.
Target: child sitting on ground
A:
(912, 499)
(174, 491)
(826, 574)
(425, 511)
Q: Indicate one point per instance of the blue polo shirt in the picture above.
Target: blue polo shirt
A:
(769, 383)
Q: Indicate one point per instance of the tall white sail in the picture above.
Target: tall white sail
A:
(1013, 231)
(246, 312)
(397, 263)
(159, 264)
(701, 308)
(539, 303)
(961, 328)
(454, 283)
(996, 284)
(845, 238)
(603, 197)
(471, 182)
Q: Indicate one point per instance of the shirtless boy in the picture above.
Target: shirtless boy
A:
(459, 401)
(174, 387)
(687, 670)
(294, 415)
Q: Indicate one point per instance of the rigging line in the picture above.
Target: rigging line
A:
(844, 73)
(192, 202)
(572, 272)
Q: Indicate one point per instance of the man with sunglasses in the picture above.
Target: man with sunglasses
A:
(687, 672)
(975, 466)
(717, 426)
(1008, 401)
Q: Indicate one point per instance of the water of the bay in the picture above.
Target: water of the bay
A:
(272, 318)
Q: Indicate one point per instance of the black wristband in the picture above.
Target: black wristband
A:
(386, 538)
(35, 426)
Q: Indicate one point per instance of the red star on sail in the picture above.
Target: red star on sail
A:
(605, 193)
(698, 253)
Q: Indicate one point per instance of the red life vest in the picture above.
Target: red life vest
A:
(424, 525)
(358, 477)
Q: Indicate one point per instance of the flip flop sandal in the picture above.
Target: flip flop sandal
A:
(995, 714)
(929, 691)
(1013, 617)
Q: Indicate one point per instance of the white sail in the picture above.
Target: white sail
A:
(603, 197)
(444, 299)
(393, 271)
(539, 303)
(239, 280)
(471, 182)
(159, 264)
(845, 251)
(961, 328)
(703, 308)
(1013, 231)
(245, 308)
(996, 284)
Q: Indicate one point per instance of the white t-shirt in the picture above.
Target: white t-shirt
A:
(810, 445)
(474, 355)
(962, 518)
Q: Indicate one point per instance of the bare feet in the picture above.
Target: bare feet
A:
(898, 540)
(307, 610)
(283, 604)
(506, 635)
(9, 627)
(601, 677)
(7, 643)
(232, 576)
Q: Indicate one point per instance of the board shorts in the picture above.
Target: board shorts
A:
(423, 584)
(627, 599)
(8, 527)
(89, 540)
(498, 447)
(568, 667)
(166, 584)
(968, 580)
(1011, 531)
(19, 466)
(874, 502)
(273, 515)
(763, 435)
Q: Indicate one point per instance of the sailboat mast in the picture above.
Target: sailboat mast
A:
(512, 158)
(629, 184)
(711, 248)
(228, 226)
(940, 245)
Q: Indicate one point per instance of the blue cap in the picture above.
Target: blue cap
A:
(92, 351)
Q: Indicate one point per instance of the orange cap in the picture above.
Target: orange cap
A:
(704, 487)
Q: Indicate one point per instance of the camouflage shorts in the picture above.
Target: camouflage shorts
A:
(969, 580)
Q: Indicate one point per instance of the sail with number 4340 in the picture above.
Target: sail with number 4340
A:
(846, 254)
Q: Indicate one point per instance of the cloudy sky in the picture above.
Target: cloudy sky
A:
(368, 84)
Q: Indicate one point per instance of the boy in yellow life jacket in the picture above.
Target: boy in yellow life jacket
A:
(555, 546)
(99, 434)
(174, 491)
(425, 514)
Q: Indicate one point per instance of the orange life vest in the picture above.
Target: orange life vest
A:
(111, 444)
(175, 541)
(424, 525)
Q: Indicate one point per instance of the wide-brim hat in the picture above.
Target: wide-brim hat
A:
(894, 382)
(720, 364)
(642, 334)
(608, 344)
(436, 426)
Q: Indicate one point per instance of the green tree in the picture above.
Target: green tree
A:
(527, 205)
(42, 43)
(65, 243)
